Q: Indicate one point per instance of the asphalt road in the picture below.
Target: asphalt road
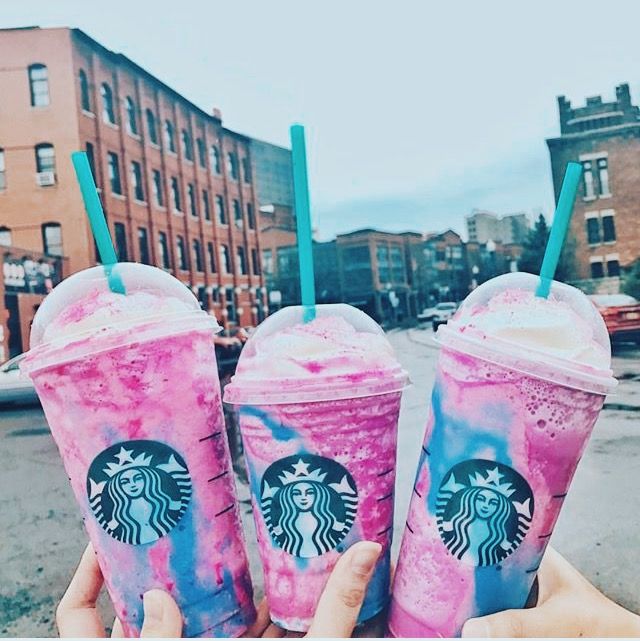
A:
(42, 535)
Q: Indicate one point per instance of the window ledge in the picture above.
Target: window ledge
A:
(177, 212)
(208, 222)
(134, 136)
(154, 145)
(588, 199)
(140, 202)
(172, 153)
(609, 242)
(88, 114)
(189, 162)
(111, 125)
(117, 196)
(604, 196)
(161, 207)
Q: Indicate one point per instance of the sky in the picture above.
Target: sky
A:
(416, 111)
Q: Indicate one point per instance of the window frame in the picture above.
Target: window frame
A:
(108, 108)
(35, 83)
(132, 117)
(113, 171)
(163, 247)
(137, 181)
(46, 243)
(50, 166)
(152, 126)
(85, 91)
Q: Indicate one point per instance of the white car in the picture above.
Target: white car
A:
(427, 315)
(444, 311)
(15, 387)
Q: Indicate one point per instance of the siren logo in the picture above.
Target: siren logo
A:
(484, 510)
(138, 490)
(309, 504)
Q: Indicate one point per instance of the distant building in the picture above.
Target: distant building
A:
(490, 259)
(483, 226)
(445, 273)
(273, 173)
(605, 138)
(176, 186)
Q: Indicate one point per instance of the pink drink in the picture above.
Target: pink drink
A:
(319, 408)
(130, 390)
(519, 385)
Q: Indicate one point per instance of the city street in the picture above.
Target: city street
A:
(43, 537)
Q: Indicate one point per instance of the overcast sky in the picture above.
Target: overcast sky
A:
(416, 112)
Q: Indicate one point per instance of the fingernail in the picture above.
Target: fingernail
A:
(153, 608)
(365, 558)
(475, 629)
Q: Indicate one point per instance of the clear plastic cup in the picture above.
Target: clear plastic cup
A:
(321, 457)
(130, 390)
(507, 427)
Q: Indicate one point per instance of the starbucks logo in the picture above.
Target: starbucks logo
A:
(309, 504)
(138, 490)
(484, 510)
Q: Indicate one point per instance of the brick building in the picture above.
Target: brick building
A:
(177, 187)
(605, 138)
(445, 273)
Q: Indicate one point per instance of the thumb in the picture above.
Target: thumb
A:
(162, 617)
(340, 603)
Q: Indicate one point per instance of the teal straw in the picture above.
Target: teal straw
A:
(303, 222)
(97, 220)
(559, 228)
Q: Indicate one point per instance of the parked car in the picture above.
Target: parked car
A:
(427, 314)
(444, 311)
(14, 386)
(621, 314)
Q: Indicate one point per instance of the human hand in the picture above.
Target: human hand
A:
(341, 600)
(77, 615)
(568, 606)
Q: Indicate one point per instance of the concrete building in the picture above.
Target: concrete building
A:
(273, 173)
(483, 226)
(177, 187)
(605, 138)
(445, 274)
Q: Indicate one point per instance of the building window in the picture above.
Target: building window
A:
(182, 254)
(225, 259)
(221, 214)
(231, 305)
(242, 260)
(152, 129)
(613, 268)
(593, 231)
(267, 261)
(237, 214)
(163, 250)
(203, 297)
(255, 263)
(92, 159)
(608, 229)
(251, 221)
(45, 158)
(132, 119)
(52, 239)
(3, 171)
(187, 145)
(214, 159)
(114, 173)
(206, 208)
(191, 196)
(246, 169)
(158, 192)
(197, 255)
(176, 200)
(588, 179)
(597, 270)
(232, 165)
(143, 246)
(202, 153)
(603, 176)
(108, 113)
(39, 85)
(212, 257)
(121, 242)
(136, 181)
(5, 237)
(85, 96)
(169, 137)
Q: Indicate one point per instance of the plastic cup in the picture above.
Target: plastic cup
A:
(130, 390)
(507, 427)
(321, 456)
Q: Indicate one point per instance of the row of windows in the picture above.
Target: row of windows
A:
(45, 157)
(591, 189)
(164, 257)
(157, 185)
(109, 116)
(598, 267)
(51, 238)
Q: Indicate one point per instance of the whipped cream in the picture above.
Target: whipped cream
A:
(327, 346)
(103, 309)
(544, 325)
